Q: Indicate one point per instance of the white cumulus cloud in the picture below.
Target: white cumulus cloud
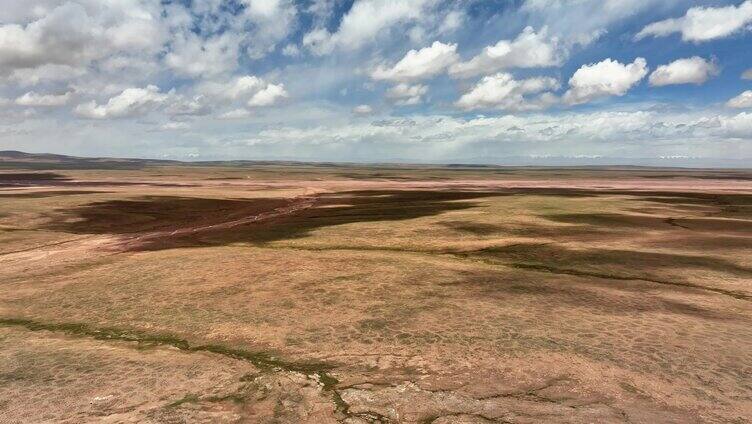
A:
(244, 91)
(528, 50)
(271, 21)
(742, 101)
(131, 102)
(364, 22)
(32, 98)
(703, 23)
(693, 70)
(241, 87)
(502, 91)
(405, 94)
(76, 33)
(268, 96)
(419, 64)
(602, 79)
(188, 106)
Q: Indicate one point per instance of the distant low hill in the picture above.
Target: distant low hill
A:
(14, 158)
(17, 159)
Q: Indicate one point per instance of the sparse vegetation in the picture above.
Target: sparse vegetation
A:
(161, 292)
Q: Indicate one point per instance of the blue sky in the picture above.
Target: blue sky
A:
(380, 80)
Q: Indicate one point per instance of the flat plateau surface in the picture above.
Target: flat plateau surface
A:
(302, 293)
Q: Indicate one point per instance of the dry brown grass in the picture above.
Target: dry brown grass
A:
(394, 294)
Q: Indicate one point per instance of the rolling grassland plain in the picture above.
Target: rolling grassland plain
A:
(260, 292)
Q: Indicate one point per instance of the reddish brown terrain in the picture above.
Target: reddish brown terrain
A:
(160, 292)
